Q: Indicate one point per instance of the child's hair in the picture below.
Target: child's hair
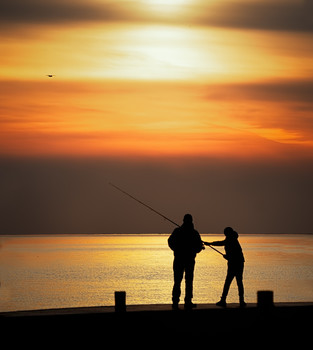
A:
(228, 231)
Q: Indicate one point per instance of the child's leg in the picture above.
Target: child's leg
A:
(240, 283)
(228, 280)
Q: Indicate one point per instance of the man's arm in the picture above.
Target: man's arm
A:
(199, 243)
(172, 240)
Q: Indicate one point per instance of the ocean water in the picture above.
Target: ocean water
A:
(57, 271)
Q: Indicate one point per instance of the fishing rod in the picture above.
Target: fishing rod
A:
(215, 249)
(150, 208)
(146, 205)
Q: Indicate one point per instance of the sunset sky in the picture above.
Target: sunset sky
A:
(198, 106)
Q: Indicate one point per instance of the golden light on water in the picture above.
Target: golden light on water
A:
(85, 270)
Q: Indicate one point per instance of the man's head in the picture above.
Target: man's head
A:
(187, 219)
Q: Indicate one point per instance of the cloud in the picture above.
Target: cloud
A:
(59, 11)
(47, 11)
(246, 119)
(278, 111)
(68, 11)
(273, 15)
(283, 90)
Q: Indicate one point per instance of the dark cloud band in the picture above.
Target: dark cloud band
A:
(275, 15)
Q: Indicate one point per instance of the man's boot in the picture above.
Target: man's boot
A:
(242, 301)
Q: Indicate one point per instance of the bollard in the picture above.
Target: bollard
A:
(120, 301)
(265, 299)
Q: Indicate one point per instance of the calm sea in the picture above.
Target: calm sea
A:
(57, 271)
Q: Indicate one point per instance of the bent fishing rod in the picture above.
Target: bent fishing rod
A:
(150, 208)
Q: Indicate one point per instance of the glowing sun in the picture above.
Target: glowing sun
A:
(168, 2)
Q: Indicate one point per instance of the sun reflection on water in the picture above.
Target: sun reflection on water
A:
(82, 270)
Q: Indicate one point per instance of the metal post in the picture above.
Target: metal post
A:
(265, 299)
(120, 301)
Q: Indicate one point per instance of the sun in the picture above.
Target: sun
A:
(166, 5)
(167, 2)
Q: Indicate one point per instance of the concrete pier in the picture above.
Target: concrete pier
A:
(285, 323)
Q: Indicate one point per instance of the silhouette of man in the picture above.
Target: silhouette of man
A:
(236, 260)
(186, 242)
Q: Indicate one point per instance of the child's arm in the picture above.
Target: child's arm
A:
(216, 243)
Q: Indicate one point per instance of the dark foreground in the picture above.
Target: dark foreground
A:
(148, 326)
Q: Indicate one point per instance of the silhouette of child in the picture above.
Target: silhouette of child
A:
(236, 260)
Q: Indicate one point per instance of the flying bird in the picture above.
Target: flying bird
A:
(50, 75)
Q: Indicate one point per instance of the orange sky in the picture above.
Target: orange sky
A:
(142, 80)
(157, 79)
(153, 118)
